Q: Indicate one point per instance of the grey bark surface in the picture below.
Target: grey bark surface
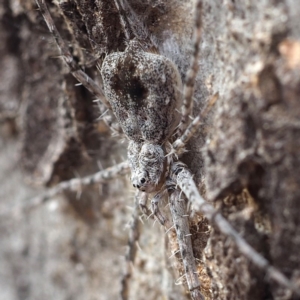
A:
(245, 157)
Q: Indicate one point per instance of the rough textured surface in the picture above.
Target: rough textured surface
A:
(245, 158)
(254, 133)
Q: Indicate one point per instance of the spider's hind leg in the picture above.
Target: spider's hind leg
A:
(189, 85)
(81, 76)
(103, 104)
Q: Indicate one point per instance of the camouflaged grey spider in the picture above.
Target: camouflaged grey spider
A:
(143, 89)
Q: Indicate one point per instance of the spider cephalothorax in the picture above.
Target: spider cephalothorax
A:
(144, 90)
(148, 166)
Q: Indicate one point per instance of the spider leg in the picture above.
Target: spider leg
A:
(143, 198)
(133, 25)
(125, 22)
(156, 211)
(188, 89)
(134, 235)
(180, 143)
(88, 82)
(82, 77)
(75, 184)
(184, 179)
(178, 210)
(109, 119)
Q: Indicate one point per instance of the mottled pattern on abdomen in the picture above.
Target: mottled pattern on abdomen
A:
(144, 90)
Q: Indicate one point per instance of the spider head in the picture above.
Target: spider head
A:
(148, 174)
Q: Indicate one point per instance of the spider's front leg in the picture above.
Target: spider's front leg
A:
(74, 185)
(156, 211)
(184, 179)
(181, 223)
(143, 199)
(134, 234)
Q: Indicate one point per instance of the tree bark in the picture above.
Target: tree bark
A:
(245, 156)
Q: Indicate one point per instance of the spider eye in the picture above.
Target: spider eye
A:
(143, 180)
(150, 154)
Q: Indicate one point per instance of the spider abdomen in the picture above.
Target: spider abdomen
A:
(144, 92)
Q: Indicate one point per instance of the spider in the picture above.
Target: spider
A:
(143, 89)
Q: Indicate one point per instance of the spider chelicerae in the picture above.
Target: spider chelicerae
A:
(144, 90)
